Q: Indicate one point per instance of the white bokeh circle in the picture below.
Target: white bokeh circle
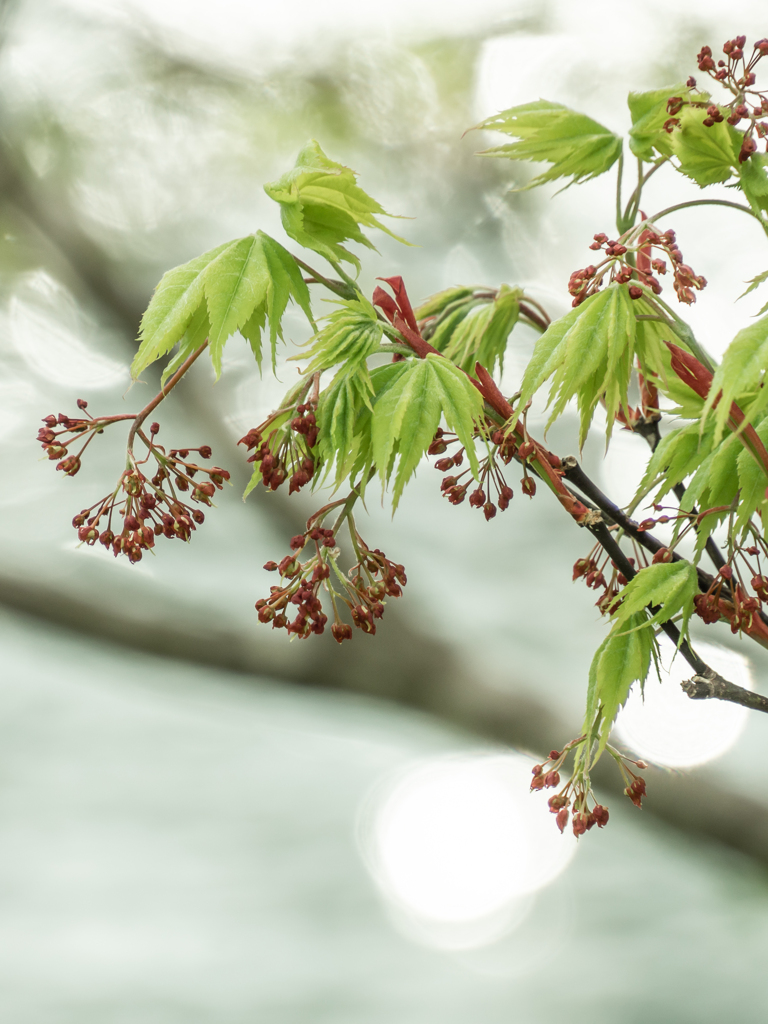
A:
(458, 845)
(667, 727)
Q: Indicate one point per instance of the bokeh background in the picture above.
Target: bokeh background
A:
(201, 822)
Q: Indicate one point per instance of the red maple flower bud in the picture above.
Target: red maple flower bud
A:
(297, 542)
(505, 496)
(552, 779)
(748, 147)
(341, 632)
(526, 449)
(579, 823)
(69, 466)
(562, 818)
(600, 814)
(276, 478)
(529, 486)
(580, 568)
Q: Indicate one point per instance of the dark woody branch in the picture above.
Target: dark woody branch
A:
(706, 683)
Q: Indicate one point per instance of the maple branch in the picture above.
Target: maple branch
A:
(709, 685)
(162, 393)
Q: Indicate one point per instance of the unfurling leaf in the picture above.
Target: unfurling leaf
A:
(237, 286)
(407, 415)
(577, 147)
(351, 335)
(321, 206)
(338, 413)
(481, 337)
(588, 353)
(438, 303)
(620, 660)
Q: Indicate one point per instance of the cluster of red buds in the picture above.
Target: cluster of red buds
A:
(372, 579)
(593, 574)
(283, 447)
(572, 799)
(57, 442)
(571, 802)
(587, 281)
(727, 586)
(151, 508)
(492, 483)
(684, 279)
(736, 74)
(302, 582)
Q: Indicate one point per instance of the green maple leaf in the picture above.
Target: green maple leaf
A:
(588, 354)
(669, 585)
(237, 286)
(649, 114)
(577, 147)
(740, 376)
(621, 660)
(754, 283)
(707, 155)
(321, 206)
(407, 415)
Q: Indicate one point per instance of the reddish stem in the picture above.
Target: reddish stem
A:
(163, 392)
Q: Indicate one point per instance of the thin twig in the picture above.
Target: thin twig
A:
(162, 393)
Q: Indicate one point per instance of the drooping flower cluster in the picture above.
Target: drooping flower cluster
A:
(727, 596)
(614, 268)
(571, 802)
(736, 73)
(574, 795)
(284, 443)
(140, 509)
(364, 589)
(492, 483)
(57, 442)
(592, 570)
